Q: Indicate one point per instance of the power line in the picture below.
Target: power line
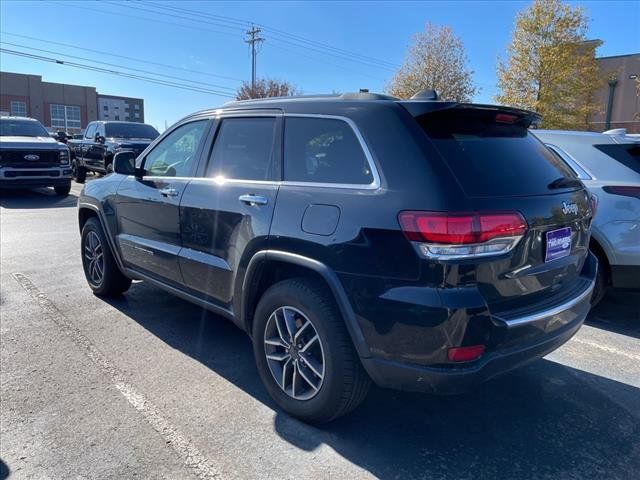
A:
(298, 38)
(296, 43)
(145, 19)
(114, 72)
(115, 55)
(120, 66)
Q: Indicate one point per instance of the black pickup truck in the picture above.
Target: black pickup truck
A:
(29, 157)
(102, 140)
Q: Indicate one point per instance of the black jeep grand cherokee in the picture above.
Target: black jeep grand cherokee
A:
(423, 245)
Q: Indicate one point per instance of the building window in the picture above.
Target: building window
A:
(19, 109)
(65, 116)
(137, 106)
(117, 117)
(106, 108)
(137, 115)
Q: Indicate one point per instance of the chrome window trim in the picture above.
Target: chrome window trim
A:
(581, 172)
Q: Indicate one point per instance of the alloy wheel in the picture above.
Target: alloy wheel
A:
(294, 353)
(94, 258)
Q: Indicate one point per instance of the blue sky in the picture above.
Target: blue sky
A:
(211, 50)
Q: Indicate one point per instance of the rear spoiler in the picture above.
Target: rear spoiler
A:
(526, 118)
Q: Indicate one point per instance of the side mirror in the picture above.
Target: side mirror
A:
(99, 138)
(125, 162)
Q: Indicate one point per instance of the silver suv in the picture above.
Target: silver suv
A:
(609, 166)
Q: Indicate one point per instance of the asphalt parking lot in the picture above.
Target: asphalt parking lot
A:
(149, 386)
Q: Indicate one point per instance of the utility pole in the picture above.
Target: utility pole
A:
(253, 38)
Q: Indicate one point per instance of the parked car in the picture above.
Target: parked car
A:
(423, 245)
(94, 152)
(609, 165)
(29, 157)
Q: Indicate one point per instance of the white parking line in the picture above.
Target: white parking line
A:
(606, 348)
(191, 456)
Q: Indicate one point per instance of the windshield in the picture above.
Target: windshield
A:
(131, 130)
(493, 154)
(21, 128)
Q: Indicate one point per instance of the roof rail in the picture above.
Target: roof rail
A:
(364, 94)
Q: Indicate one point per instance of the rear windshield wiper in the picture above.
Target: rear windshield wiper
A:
(564, 182)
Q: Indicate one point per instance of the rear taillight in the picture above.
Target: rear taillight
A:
(626, 191)
(452, 235)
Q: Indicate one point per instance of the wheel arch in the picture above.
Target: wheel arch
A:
(270, 266)
(88, 210)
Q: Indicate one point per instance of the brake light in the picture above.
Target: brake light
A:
(465, 354)
(627, 191)
(506, 118)
(452, 235)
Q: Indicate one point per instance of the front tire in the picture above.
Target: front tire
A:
(78, 171)
(318, 376)
(100, 268)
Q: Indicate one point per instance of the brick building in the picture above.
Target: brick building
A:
(63, 107)
(619, 98)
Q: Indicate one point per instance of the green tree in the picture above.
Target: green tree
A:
(551, 67)
(265, 87)
(436, 60)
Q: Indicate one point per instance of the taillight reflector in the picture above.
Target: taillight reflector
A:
(627, 191)
(465, 354)
(460, 229)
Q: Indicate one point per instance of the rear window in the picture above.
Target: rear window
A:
(626, 154)
(491, 158)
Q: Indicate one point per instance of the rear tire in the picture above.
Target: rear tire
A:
(344, 383)
(602, 278)
(62, 190)
(100, 268)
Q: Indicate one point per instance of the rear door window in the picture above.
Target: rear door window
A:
(490, 157)
(324, 150)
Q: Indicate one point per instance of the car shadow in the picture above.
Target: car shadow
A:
(545, 420)
(35, 198)
(618, 312)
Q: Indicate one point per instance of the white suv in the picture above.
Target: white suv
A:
(609, 166)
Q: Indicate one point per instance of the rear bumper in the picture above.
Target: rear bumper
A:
(526, 338)
(625, 276)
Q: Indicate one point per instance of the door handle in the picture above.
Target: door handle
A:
(169, 192)
(251, 199)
